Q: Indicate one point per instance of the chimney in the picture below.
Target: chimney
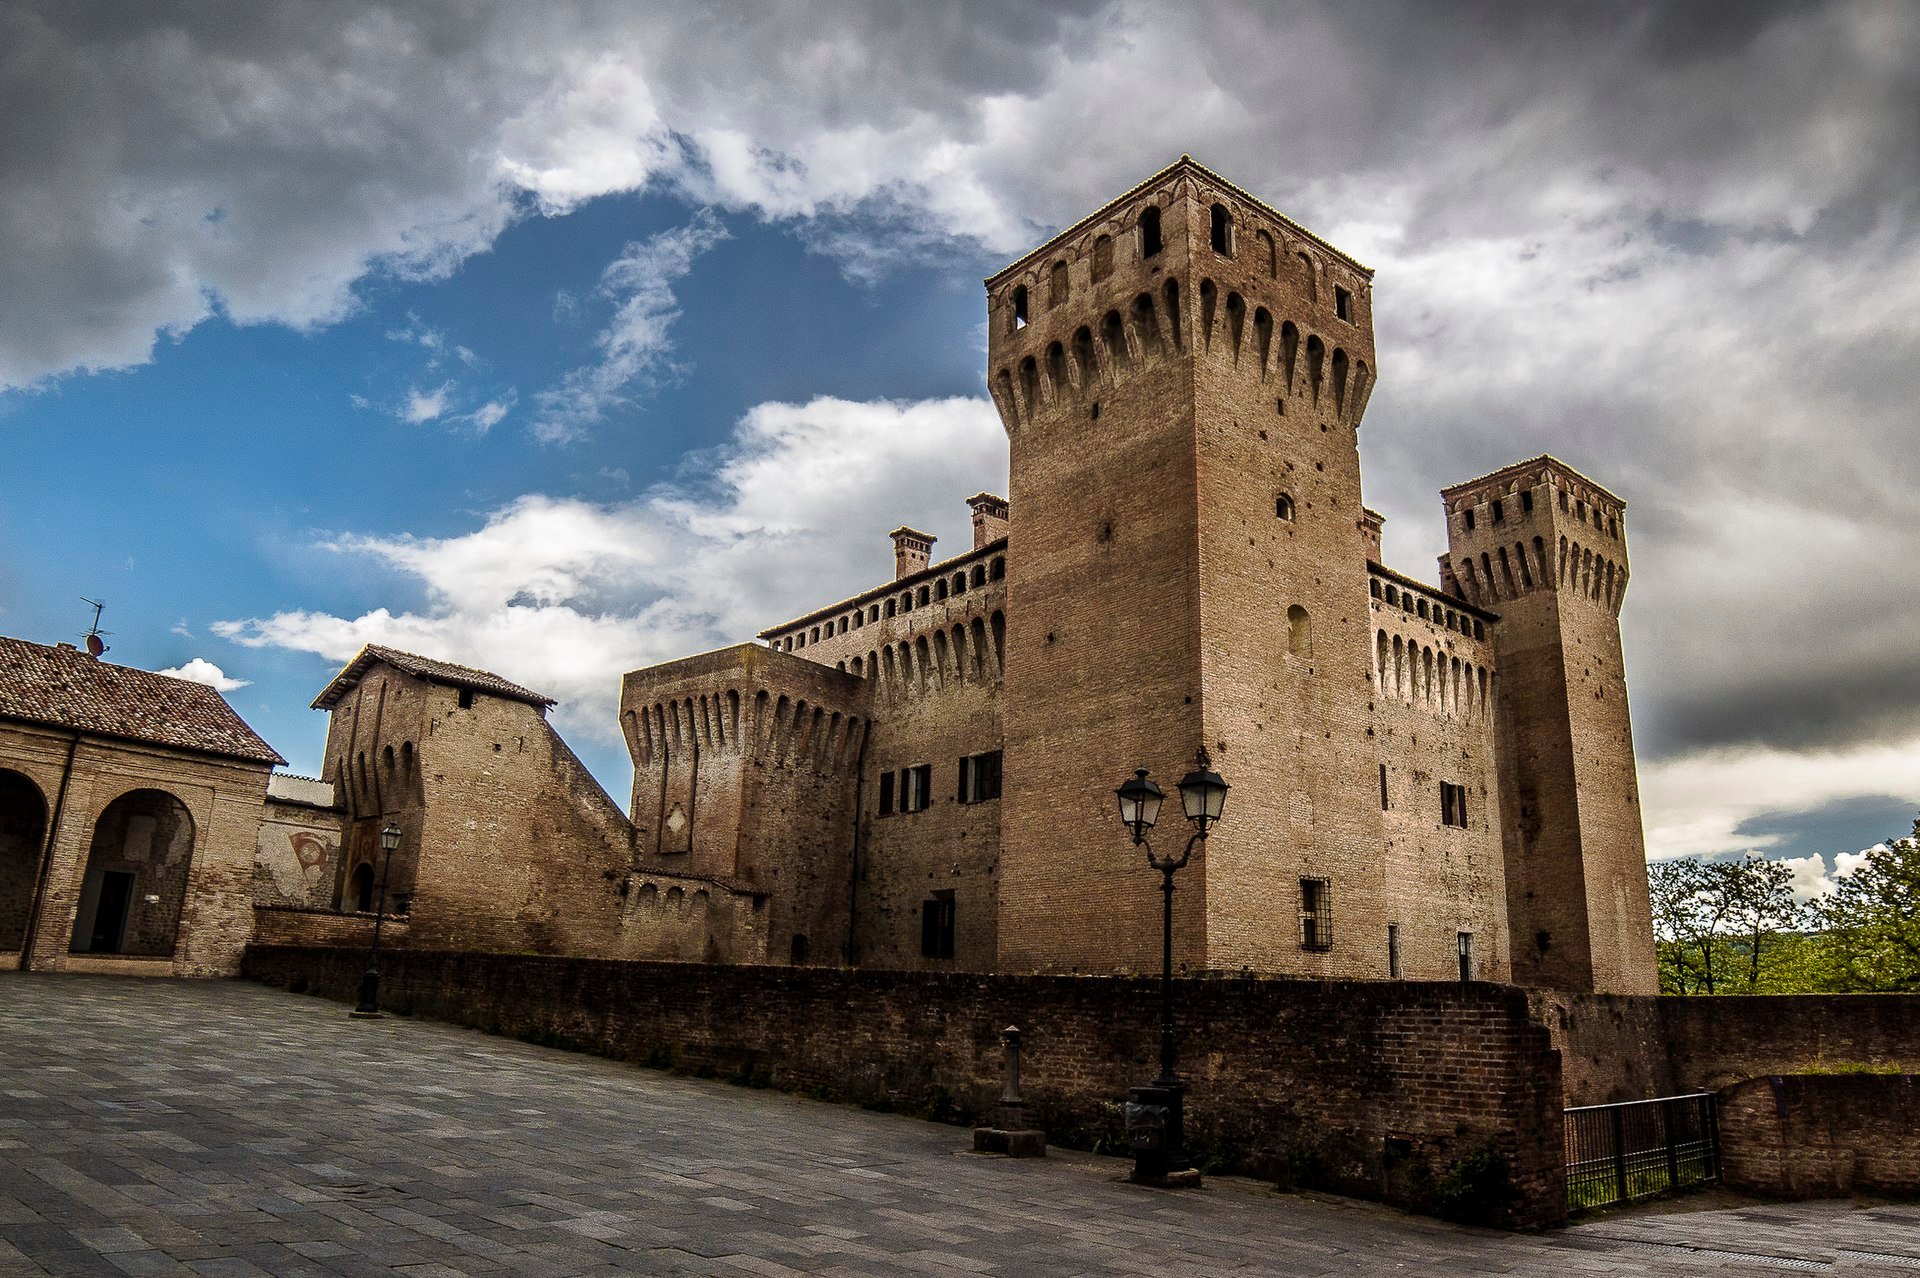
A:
(912, 551)
(989, 518)
(1371, 523)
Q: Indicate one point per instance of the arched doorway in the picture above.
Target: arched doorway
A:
(23, 833)
(136, 876)
(360, 889)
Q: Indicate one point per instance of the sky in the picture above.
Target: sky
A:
(563, 339)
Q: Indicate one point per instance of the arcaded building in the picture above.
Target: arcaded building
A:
(1427, 778)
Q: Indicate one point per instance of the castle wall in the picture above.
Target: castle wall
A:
(931, 647)
(1433, 724)
(1285, 641)
(1103, 665)
(745, 763)
(507, 842)
(297, 855)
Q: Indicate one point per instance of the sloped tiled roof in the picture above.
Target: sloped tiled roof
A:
(423, 668)
(66, 688)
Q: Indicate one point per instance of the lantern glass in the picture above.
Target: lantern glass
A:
(390, 837)
(1139, 802)
(1203, 794)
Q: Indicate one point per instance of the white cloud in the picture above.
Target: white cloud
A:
(425, 405)
(566, 595)
(200, 670)
(1696, 804)
(490, 414)
(634, 345)
(181, 628)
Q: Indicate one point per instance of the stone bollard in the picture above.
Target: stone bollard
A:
(1009, 1134)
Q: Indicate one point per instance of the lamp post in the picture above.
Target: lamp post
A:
(370, 981)
(1156, 1113)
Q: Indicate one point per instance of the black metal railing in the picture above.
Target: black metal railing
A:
(1635, 1149)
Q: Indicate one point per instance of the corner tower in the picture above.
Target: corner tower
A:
(1181, 376)
(1546, 548)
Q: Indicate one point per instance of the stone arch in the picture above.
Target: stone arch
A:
(136, 876)
(23, 835)
(1083, 356)
(1057, 380)
(1030, 383)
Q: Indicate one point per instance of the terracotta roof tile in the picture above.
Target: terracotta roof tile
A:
(423, 668)
(66, 688)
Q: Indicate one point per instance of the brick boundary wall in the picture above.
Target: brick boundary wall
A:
(1627, 1047)
(1822, 1135)
(1395, 1091)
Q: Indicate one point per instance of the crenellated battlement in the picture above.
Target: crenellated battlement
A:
(1185, 264)
(1537, 525)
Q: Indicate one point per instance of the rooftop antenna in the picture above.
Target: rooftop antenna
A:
(95, 636)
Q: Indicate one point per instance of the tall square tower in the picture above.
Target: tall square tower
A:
(1181, 377)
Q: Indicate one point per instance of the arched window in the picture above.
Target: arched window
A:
(1316, 358)
(1057, 284)
(1236, 323)
(1299, 632)
(1289, 347)
(361, 888)
(1102, 258)
(978, 576)
(1149, 231)
(1268, 257)
(1262, 338)
(1283, 509)
(1222, 231)
(889, 607)
(999, 569)
(1019, 307)
(1057, 369)
(1172, 293)
(940, 589)
(921, 600)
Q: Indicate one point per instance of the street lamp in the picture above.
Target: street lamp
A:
(370, 981)
(1156, 1113)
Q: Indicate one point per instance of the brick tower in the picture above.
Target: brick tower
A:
(1181, 376)
(1546, 548)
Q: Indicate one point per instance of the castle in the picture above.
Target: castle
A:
(1429, 782)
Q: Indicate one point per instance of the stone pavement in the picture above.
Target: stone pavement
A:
(221, 1128)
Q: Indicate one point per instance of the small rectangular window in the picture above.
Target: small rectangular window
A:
(916, 788)
(980, 777)
(886, 793)
(1499, 512)
(1383, 788)
(1343, 304)
(936, 926)
(1393, 951)
(465, 698)
(1464, 941)
(1316, 914)
(1526, 503)
(1469, 520)
(1453, 804)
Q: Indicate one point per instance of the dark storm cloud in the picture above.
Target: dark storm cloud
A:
(1673, 243)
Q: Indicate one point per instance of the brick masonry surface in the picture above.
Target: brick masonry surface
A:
(1822, 1135)
(1624, 1047)
(219, 1128)
(1372, 1088)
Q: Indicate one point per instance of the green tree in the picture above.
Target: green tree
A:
(1715, 922)
(1870, 924)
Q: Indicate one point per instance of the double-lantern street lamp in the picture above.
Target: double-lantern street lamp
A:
(1155, 1113)
(370, 981)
